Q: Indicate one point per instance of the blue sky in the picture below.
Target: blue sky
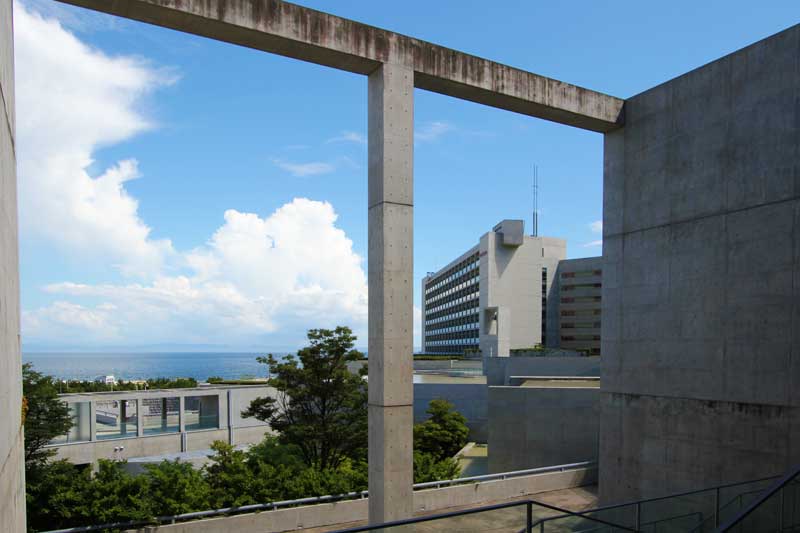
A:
(176, 190)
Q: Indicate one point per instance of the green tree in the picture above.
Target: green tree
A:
(174, 487)
(444, 433)
(428, 468)
(321, 407)
(46, 416)
(229, 477)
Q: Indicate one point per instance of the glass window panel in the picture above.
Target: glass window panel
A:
(116, 419)
(201, 412)
(81, 424)
(161, 415)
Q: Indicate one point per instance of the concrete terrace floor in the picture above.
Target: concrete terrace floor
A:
(503, 520)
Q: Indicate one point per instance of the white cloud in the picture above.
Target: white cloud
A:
(348, 137)
(256, 275)
(595, 227)
(291, 270)
(432, 131)
(72, 100)
(304, 169)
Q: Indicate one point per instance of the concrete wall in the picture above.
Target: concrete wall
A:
(12, 484)
(511, 291)
(331, 514)
(498, 369)
(469, 400)
(701, 278)
(233, 428)
(531, 427)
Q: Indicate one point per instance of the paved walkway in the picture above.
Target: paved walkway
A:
(510, 520)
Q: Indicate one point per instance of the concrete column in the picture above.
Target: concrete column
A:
(92, 421)
(123, 417)
(390, 266)
(139, 418)
(163, 414)
(181, 414)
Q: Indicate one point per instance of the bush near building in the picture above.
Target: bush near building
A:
(320, 405)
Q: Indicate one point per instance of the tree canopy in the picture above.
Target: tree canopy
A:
(45, 415)
(321, 406)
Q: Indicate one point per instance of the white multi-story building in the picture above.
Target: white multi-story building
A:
(497, 296)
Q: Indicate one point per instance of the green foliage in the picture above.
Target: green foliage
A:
(174, 487)
(72, 386)
(428, 468)
(321, 407)
(443, 434)
(46, 416)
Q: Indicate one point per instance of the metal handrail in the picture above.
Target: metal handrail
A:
(528, 527)
(272, 506)
(778, 485)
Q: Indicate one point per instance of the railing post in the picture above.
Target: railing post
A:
(781, 508)
(638, 516)
(529, 518)
(716, 507)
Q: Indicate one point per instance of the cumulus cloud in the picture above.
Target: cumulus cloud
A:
(304, 169)
(348, 137)
(595, 227)
(288, 271)
(256, 275)
(431, 131)
(72, 100)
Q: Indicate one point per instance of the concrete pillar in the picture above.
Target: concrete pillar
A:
(92, 421)
(163, 414)
(139, 418)
(123, 417)
(181, 414)
(390, 266)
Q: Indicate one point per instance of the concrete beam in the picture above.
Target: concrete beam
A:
(391, 292)
(295, 31)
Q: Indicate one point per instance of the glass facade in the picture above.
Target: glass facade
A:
(451, 308)
(201, 412)
(161, 415)
(81, 424)
(580, 310)
(116, 419)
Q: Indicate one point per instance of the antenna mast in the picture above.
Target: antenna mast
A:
(535, 200)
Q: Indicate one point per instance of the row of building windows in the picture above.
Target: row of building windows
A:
(581, 286)
(580, 299)
(581, 274)
(470, 265)
(471, 282)
(118, 419)
(580, 312)
(472, 341)
(452, 316)
(580, 337)
(454, 302)
(453, 329)
(580, 325)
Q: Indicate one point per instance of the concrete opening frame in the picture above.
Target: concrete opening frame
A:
(701, 255)
(394, 65)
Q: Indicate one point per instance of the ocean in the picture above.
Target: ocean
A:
(127, 366)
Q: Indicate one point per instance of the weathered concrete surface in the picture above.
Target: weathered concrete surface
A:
(295, 31)
(701, 278)
(498, 370)
(12, 475)
(425, 501)
(533, 427)
(233, 428)
(391, 291)
(468, 399)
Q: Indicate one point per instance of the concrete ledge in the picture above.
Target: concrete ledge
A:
(295, 31)
(330, 514)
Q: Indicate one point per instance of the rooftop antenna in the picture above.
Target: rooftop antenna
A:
(535, 200)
